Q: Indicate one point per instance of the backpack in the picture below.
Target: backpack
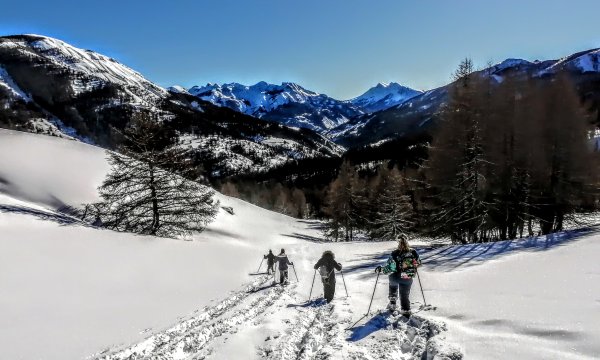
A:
(407, 259)
(324, 274)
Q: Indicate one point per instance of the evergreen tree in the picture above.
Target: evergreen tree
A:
(345, 202)
(456, 167)
(142, 194)
(392, 208)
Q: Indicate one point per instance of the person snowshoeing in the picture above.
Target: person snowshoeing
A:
(283, 267)
(270, 261)
(327, 266)
(401, 267)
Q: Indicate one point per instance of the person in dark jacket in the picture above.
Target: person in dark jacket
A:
(283, 267)
(327, 266)
(270, 261)
(401, 267)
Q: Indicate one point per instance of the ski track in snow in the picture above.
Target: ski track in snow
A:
(305, 337)
(191, 339)
(319, 332)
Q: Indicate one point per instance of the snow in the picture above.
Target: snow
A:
(585, 62)
(249, 99)
(94, 67)
(7, 83)
(510, 63)
(178, 89)
(72, 291)
(589, 62)
(532, 299)
(383, 96)
(263, 98)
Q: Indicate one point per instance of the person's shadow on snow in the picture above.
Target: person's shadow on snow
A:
(376, 323)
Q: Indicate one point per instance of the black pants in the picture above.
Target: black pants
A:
(283, 276)
(270, 268)
(329, 289)
(397, 283)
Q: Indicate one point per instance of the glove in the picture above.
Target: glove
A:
(378, 269)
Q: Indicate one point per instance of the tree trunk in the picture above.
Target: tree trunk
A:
(155, 215)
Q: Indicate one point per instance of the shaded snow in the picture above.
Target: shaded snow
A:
(9, 85)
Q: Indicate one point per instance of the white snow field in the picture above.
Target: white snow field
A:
(70, 291)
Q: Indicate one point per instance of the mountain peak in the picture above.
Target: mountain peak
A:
(384, 95)
(288, 103)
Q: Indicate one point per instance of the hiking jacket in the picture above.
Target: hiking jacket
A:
(328, 260)
(270, 258)
(283, 262)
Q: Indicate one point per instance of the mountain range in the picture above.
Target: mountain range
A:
(419, 113)
(49, 86)
(293, 105)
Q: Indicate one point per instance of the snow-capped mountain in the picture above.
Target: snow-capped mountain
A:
(92, 69)
(418, 113)
(383, 96)
(49, 86)
(288, 103)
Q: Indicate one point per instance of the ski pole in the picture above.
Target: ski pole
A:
(259, 266)
(372, 296)
(313, 284)
(421, 286)
(294, 268)
(369, 310)
(344, 280)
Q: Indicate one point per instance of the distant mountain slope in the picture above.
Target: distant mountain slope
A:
(288, 103)
(418, 114)
(383, 96)
(49, 86)
(293, 105)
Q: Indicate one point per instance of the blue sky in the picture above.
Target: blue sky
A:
(338, 47)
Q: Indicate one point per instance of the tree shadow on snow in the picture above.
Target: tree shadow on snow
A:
(313, 224)
(59, 218)
(458, 256)
(306, 237)
(367, 263)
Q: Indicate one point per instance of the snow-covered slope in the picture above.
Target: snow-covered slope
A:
(383, 96)
(8, 85)
(288, 103)
(92, 69)
(72, 291)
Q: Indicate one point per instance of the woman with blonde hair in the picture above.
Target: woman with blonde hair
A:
(402, 268)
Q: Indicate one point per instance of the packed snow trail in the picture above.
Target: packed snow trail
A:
(192, 337)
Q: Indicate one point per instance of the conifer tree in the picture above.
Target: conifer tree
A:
(392, 209)
(345, 203)
(456, 165)
(143, 194)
